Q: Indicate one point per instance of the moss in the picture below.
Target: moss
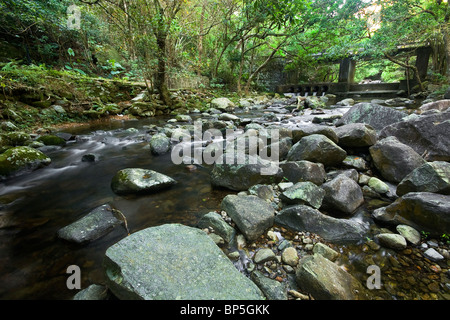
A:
(18, 159)
(15, 139)
(51, 140)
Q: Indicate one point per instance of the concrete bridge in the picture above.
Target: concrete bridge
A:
(346, 86)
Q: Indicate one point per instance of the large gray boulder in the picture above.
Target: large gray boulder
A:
(423, 211)
(372, 114)
(342, 194)
(92, 226)
(303, 170)
(317, 148)
(306, 219)
(159, 144)
(137, 180)
(223, 104)
(430, 177)
(174, 262)
(252, 215)
(426, 134)
(238, 176)
(325, 280)
(394, 159)
(356, 135)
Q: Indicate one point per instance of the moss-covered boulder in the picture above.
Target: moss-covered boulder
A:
(138, 181)
(18, 160)
(51, 140)
(15, 139)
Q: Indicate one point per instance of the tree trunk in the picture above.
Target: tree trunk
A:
(161, 75)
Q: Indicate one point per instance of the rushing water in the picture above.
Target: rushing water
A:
(33, 207)
(33, 261)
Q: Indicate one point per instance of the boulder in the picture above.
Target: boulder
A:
(93, 292)
(356, 135)
(378, 186)
(220, 226)
(92, 226)
(421, 210)
(409, 233)
(223, 104)
(317, 148)
(426, 134)
(303, 170)
(52, 140)
(394, 159)
(137, 180)
(372, 114)
(430, 177)
(159, 144)
(440, 105)
(325, 251)
(325, 280)
(303, 193)
(290, 256)
(252, 215)
(308, 130)
(239, 176)
(306, 219)
(272, 289)
(342, 194)
(174, 262)
(19, 160)
(264, 255)
(391, 240)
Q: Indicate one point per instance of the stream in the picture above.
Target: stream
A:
(33, 207)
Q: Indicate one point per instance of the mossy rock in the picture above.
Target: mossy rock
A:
(17, 160)
(15, 139)
(51, 140)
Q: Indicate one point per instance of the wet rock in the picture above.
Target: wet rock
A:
(430, 177)
(304, 218)
(308, 130)
(374, 115)
(262, 191)
(173, 262)
(159, 144)
(93, 292)
(15, 139)
(356, 135)
(433, 255)
(420, 210)
(391, 240)
(52, 140)
(264, 255)
(137, 180)
(325, 251)
(290, 256)
(394, 159)
(409, 233)
(346, 102)
(304, 193)
(228, 117)
(20, 160)
(252, 215)
(302, 171)
(183, 118)
(215, 220)
(223, 104)
(92, 226)
(378, 186)
(89, 157)
(272, 289)
(240, 177)
(342, 194)
(441, 105)
(325, 280)
(355, 162)
(426, 134)
(317, 148)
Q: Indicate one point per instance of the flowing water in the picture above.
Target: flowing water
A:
(33, 261)
(33, 207)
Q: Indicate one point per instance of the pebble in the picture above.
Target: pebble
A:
(264, 255)
(433, 255)
(289, 256)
